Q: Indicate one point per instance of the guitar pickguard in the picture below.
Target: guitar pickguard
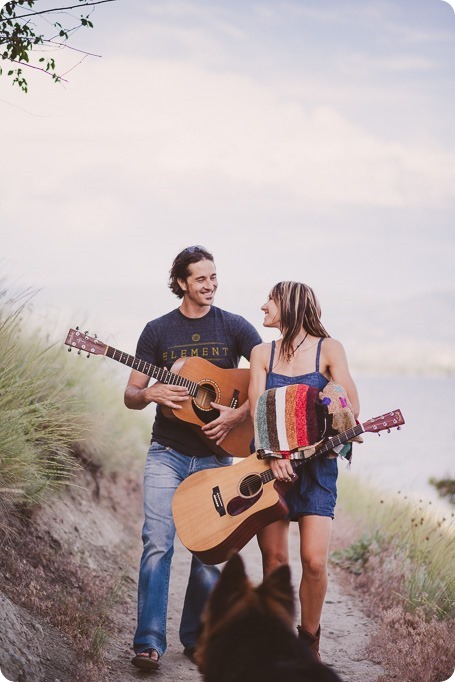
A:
(239, 505)
(251, 489)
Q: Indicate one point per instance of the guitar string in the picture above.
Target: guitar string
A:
(163, 371)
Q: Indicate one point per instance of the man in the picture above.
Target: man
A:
(177, 449)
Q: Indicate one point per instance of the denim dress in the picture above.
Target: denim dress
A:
(315, 491)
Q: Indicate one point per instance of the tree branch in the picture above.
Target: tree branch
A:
(73, 67)
(66, 46)
(60, 9)
(37, 68)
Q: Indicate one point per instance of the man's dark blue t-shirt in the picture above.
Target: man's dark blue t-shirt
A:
(219, 337)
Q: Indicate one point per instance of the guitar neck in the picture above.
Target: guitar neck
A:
(160, 373)
(331, 443)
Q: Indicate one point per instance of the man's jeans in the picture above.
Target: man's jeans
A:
(165, 469)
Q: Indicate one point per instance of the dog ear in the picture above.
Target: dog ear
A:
(232, 585)
(278, 592)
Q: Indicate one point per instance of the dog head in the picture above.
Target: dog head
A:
(248, 633)
(239, 614)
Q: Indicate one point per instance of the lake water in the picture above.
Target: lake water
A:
(404, 461)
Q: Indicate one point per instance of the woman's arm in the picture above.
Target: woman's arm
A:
(258, 374)
(337, 366)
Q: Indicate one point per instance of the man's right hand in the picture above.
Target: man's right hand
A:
(138, 394)
(163, 394)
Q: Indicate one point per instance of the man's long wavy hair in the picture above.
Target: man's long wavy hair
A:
(298, 308)
(180, 266)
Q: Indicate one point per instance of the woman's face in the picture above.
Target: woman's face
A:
(271, 313)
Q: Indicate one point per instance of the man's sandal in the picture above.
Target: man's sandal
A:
(147, 660)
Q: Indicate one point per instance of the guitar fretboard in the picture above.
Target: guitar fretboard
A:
(160, 373)
(332, 442)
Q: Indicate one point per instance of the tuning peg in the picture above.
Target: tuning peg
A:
(69, 350)
(379, 434)
(79, 352)
(77, 329)
(388, 430)
(398, 428)
(88, 355)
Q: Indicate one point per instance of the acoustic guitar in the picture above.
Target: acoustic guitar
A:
(206, 383)
(217, 511)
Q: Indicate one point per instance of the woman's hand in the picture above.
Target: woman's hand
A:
(282, 470)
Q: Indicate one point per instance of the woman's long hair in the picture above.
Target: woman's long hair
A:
(298, 308)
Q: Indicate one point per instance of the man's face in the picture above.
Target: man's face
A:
(201, 284)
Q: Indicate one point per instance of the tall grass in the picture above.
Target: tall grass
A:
(402, 564)
(36, 425)
(115, 438)
(53, 408)
(409, 546)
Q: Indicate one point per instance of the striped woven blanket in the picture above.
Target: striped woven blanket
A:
(290, 420)
(285, 419)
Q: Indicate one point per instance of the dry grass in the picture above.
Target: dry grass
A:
(413, 649)
(399, 557)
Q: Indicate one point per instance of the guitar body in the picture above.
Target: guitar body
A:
(217, 511)
(227, 387)
(205, 381)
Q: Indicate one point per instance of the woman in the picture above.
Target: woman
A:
(304, 354)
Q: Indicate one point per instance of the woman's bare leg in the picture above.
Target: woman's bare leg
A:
(314, 551)
(273, 541)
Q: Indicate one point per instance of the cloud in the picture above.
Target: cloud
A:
(181, 122)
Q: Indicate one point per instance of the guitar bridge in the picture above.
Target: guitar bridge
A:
(218, 501)
(235, 398)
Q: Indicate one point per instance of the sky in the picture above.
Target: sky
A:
(309, 140)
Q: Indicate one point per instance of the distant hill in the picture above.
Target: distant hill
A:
(412, 336)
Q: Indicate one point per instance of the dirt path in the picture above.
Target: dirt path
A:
(345, 628)
(101, 531)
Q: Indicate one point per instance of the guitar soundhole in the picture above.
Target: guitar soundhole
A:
(250, 485)
(205, 394)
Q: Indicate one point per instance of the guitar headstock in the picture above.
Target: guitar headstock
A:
(84, 343)
(388, 420)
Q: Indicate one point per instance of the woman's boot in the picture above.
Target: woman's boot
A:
(311, 640)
